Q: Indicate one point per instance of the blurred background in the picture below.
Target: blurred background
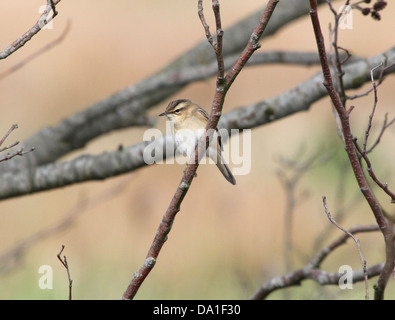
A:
(226, 239)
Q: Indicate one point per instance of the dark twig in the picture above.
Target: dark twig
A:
(353, 157)
(66, 265)
(223, 85)
(363, 262)
(348, 55)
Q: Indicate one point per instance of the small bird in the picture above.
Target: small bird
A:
(189, 121)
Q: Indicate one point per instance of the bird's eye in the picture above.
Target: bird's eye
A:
(177, 111)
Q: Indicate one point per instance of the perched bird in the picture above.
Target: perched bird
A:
(189, 121)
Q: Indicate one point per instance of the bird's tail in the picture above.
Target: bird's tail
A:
(223, 167)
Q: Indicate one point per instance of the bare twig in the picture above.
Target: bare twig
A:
(343, 208)
(363, 261)
(353, 157)
(386, 125)
(374, 87)
(337, 64)
(380, 79)
(19, 152)
(216, 44)
(10, 146)
(40, 24)
(383, 186)
(66, 265)
(223, 84)
(13, 127)
(363, 151)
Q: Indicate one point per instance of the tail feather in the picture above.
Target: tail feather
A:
(223, 167)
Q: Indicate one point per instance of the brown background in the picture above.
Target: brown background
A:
(227, 239)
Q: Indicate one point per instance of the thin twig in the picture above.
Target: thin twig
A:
(19, 152)
(363, 261)
(369, 126)
(337, 64)
(66, 265)
(13, 127)
(344, 208)
(385, 126)
(380, 80)
(383, 186)
(363, 151)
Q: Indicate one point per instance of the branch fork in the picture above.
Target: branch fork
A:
(222, 86)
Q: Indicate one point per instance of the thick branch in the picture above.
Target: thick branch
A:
(322, 277)
(109, 164)
(312, 270)
(126, 108)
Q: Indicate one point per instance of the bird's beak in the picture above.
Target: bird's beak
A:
(163, 114)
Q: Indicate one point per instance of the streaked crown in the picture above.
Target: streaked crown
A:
(186, 115)
(177, 106)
